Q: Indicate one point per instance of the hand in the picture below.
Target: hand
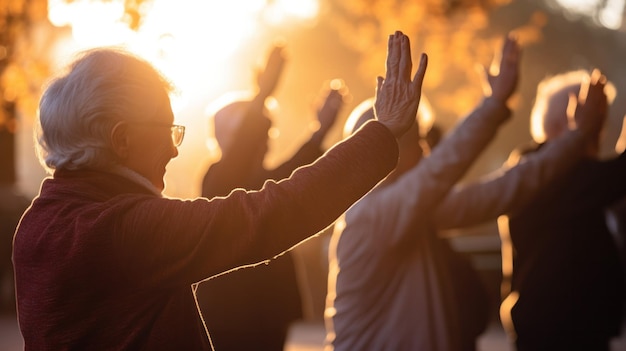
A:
(588, 111)
(267, 79)
(397, 97)
(327, 114)
(503, 79)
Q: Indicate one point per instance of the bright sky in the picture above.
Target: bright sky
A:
(194, 43)
(607, 13)
(182, 38)
(198, 44)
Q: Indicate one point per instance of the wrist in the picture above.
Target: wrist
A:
(495, 101)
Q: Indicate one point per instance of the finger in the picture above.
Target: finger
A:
(572, 106)
(276, 56)
(508, 46)
(511, 51)
(379, 83)
(379, 87)
(393, 57)
(418, 79)
(275, 62)
(595, 76)
(595, 94)
(592, 91)
(503, 58)
(334, 99)
(388, 61)
(585, 85)
(406, 64)
(484, 78)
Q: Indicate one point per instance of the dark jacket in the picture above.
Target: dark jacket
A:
(566, 265)
(252, 308)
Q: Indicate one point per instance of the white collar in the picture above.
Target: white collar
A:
(135, 177)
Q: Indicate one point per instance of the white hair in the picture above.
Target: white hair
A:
(364, 111)
(78, 110)
(548, 117)
(227, 112)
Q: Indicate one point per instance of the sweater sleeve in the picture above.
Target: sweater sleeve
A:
(413, 196)
(192, 240)
(509, 189)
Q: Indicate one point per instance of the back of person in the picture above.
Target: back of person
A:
(567, 278)
(567, 271)
(252, 308)
(86, 288)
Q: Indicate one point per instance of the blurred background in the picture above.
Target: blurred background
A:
(209, 48)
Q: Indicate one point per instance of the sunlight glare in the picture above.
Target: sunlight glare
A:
(183, 39)
(579, 6)
(608, 13)
(612, 14)
(98, 23)
(193, 43)
(285, 9)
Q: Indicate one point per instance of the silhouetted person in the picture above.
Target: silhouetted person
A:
(103, 261)
(616, 215)
(566, 284)
(12, 205)
(251, 309)
(393, 283)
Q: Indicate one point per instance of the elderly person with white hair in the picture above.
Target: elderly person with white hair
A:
(103, 261)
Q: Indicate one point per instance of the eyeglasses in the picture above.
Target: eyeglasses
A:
(178, 131)
(178, 134)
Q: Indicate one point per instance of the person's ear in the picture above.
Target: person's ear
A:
(120, 140)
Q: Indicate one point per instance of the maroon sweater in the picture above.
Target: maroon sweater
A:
(101, 263)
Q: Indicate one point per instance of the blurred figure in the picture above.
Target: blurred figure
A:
(12, 205)
(616, 215)
(251, 309)
(104, 262)
(562, 265)
(393, 283)
(433, 136)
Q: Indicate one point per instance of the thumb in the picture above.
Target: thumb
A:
(572, 106)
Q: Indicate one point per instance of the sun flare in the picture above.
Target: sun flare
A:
(181, 38)
(195, 44)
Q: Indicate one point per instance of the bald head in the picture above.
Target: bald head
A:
(365, 112)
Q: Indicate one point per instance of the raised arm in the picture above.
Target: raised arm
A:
(449, 161)
(329, 109)
(268, 77)
(433, 177)
(312, 149)
(511, 189)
